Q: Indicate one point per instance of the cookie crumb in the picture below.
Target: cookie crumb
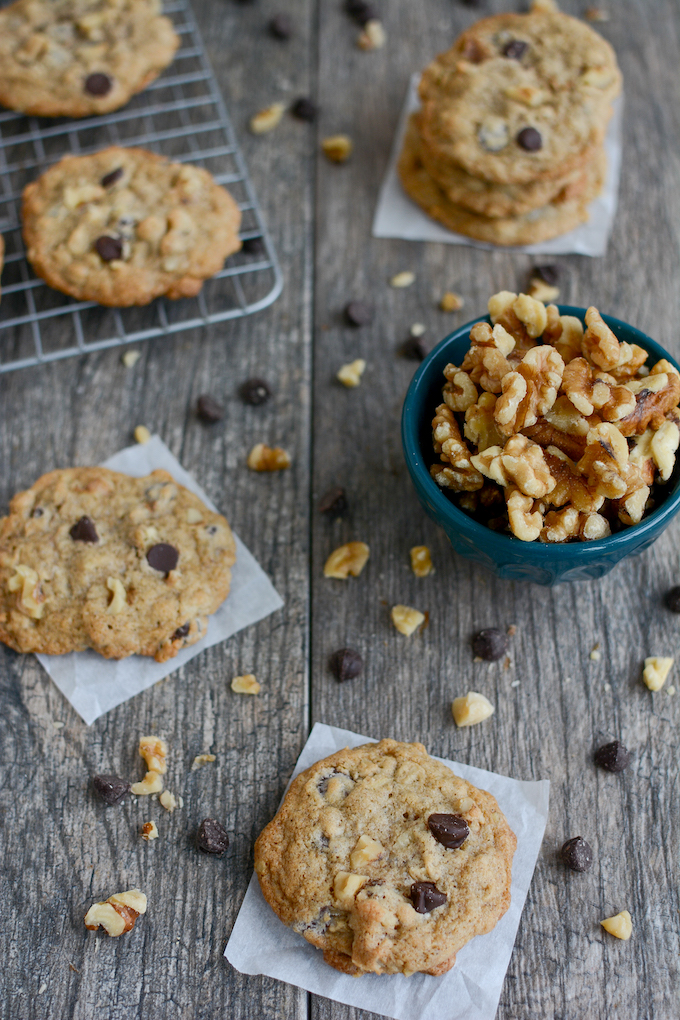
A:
(200, 760)
(403, 279)
(267, 119)
(451, 302)
(149, 831)
(417, 329)
(515, 683)
(406, 620)
(337, 148)
(621, 925)
(595, 653)
(471, 709)
(345, 560)
(350, 375)
(142, 434)
(130, 358)
(373, 36)
(670, 691)
(246, 684)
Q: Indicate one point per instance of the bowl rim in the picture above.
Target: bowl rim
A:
(496, 541)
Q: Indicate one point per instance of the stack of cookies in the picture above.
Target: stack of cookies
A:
(508, 145)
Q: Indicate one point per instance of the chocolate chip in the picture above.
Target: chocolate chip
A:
(425, 896)
(253, 246)
(211, 529)
(490, 644)
(333, 502)
(613, 757)
(449, 830)
(255, 392)
(345, 664)
(515, 49)
(281, 26)
(360, 11)
(212, 838)
(359, 313)
(109, 248)
(414, 349)
(37, 511)
(163, 557)
(549, 273)
(111, 178)
(208, 409)
(181, 631)
(672, 599)
(322, 785)
(577, 854)
(98, 84)
(111, 789)
(84, 531)
(304, 109)
(530, 139)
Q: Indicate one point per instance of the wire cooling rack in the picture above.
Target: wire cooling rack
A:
(181, 115)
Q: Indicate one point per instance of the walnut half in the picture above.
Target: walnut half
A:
(117, 914)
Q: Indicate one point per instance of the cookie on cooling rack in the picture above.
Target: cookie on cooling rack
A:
(386, 860)
(90, 558)
(74, 58)
(124, 226)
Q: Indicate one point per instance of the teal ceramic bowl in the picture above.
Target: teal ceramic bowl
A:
(505, 555)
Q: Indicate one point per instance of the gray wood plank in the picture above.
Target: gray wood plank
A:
(564, 966)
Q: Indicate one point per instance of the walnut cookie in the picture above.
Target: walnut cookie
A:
(74, 58)
(520, 97)
(124, 226)
(90, 558)
(386, 860)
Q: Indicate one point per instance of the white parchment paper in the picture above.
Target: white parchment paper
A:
(261, 944)
(95, 685)
(396, 215)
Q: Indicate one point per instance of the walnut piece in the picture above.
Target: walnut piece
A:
(202, 759)
(605, 461)
(486, 359)
(451, 302)
(350, 375)
(530, 391)
(480, 424)
(337, 148)
(149, 831)
(31, 600)
(365, 851)
(403, 279)
(460, 476)
(542, 291)
(151, 783)
(373, 36)
(154, 751)
(406, 620)
(268, 458)
(345, 560)
(246, 684)
(460, 392)
(471, 709)
(142, 434)
(346, 886)
(602, 349)
(655, 396)
(589, 391)
(117, 914)
(620, 925)
(421, 561)
(521, 461)
(168, 801)
(525, 522)
(656, 671)
(267, 119)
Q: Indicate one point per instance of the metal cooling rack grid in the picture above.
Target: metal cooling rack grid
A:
(181, 115)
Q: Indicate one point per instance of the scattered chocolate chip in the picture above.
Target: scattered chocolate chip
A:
(613, 757)
(98, 84)
(212, 838)
(253, 246)
(449, 830)
(490, 644)
(577, 854)
(425, 896)
(255, 392)
(359, 313)
(109, 179)
(304, 109)
(334, 502)
(37, 511)
(549, 273)
(346, 664)
(111, 789)
(208, 409)
(361, 11)
(181, 631)
(281, 26)
(109, 248)
(515, 49)
(530, 139)
(84, 531)
(163, 557)
(672, 599)
(470, 3)
(414, 349)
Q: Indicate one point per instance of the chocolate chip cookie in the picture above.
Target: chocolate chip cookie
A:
(124, 226)
(520, 97)
(386, 860)
(90, 558)
(73, 58)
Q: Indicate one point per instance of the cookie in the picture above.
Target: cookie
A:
(90, 558)
(520, 97)
(387, 861)
(124, 226)
(538, 225)
(501, 200)
(73, 58)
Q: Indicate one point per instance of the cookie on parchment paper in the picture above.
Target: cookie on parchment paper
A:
(386, 860)
(75, 58)
(91, 558)
(124, 226)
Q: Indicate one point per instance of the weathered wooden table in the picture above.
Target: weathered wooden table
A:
(63, 849)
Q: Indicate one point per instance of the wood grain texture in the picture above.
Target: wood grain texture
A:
(64, 850)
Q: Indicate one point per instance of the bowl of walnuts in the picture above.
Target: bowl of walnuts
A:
(543, 439)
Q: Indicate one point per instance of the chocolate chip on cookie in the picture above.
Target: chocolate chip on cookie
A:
(162, 557)
(515, 49)
(84, 531)
(109, 248)
(108, 180)
(208, 409)
(426, 897)
(490, 644)
(346, 664)
(612, 757)
(577, 854)
(181, 632)
(530, 139)
(111, 789)
(212, 838)
(449, 830)
(98, 84)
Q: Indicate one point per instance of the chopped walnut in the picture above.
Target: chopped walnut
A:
(373, 36)
(149, 831)
(365, 851)
(542, 291)
(461, 476)
(589, 391)
(502, 313)
(142, 434)
(267, 119)
(564, 332)
(451, 302)
(350, 375)
(403, 279)
(486, 360)
(337, 148)
(654, 397)
(154, 751)
(620, 925)
(594, 526)
(31, 600)
(570, 486)
(407, 620)
(530, 391)
(471, 709)
(531, 313)
(246, 684)
(459, 392)
(525, 522)
(346, 886)
(151, 783)
(656, 671)
(268, 458)
(200, 760)
(603, 350)
(480, 424)
(561, 525)
(605, 461)
(521, 462)
(117, 914)
(421, 561)
(633, 503)
(168, 801)
(345, 560)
